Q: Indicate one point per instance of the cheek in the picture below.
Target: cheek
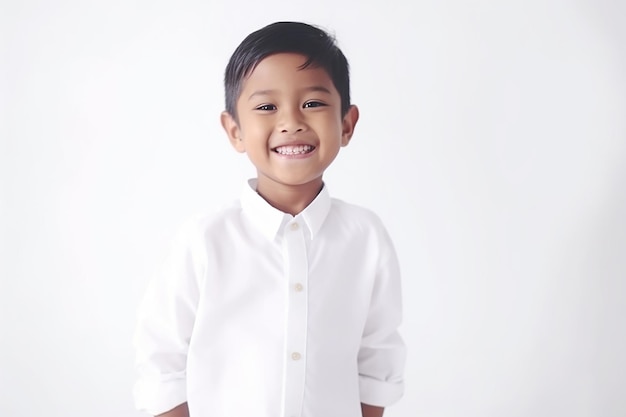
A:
(327, 123)
(255, 129)
(333, 128)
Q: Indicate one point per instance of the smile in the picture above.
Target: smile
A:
(294, 149)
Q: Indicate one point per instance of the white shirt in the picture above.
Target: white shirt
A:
(257, 313)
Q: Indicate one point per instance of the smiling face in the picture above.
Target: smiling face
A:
(289, 123)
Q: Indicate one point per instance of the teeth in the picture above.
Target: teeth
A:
(294, 150)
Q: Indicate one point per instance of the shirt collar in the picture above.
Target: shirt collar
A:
(270, 220)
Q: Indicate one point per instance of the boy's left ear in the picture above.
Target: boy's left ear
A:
(348, 124)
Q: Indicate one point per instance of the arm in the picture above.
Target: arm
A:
(180, 411)
(382, 353)
(165, 320)
(370, 410)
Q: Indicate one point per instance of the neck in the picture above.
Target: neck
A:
(290, 199)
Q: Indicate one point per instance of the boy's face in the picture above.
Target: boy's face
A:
(290, 122)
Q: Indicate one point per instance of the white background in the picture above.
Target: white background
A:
(492, 142)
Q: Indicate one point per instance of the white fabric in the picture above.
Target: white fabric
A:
(260, 313)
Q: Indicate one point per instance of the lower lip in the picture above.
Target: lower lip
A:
(295, 155)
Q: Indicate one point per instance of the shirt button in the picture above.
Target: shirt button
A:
(294, 226)
(296, 356)
(298, 287)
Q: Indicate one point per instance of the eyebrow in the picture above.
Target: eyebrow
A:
(313, 88)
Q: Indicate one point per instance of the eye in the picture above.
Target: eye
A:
(312, 104)
(266, 107)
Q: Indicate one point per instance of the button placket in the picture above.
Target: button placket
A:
(296, 331)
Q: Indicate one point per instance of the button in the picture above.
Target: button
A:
(296, 356)
(298, 287)
(294, 226)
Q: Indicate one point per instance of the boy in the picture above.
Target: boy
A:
(287, 302)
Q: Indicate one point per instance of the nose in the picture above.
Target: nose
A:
(291, 121)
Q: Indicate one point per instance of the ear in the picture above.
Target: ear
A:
(348, 124)
(232, 131)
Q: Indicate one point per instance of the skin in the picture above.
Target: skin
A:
(371, 410)
(183, 411)
(180, 411)
(282, 105)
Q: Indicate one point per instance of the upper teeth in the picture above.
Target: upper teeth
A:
(293, 150)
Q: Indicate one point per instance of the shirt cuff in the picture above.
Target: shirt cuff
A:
(379, 393)
(159, 396)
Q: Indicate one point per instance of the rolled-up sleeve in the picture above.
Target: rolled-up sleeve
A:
(382, 354)
(165, 320)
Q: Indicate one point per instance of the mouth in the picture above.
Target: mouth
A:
(293, 149)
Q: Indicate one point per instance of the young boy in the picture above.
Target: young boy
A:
(287, 302)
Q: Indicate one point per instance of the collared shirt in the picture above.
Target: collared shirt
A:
(257, 313)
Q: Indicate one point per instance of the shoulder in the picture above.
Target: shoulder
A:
(358, 216)
(357, 223)
(361, 227)
(212, 222)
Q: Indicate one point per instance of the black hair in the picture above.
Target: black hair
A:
(315, 44)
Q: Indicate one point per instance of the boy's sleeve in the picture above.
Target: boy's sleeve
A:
(165, 321)
(382, 354)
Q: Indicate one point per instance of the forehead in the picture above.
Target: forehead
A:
(283, 72)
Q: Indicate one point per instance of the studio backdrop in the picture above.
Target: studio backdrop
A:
(492, 143)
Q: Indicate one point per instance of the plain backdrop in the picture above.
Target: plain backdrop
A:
(492, 143)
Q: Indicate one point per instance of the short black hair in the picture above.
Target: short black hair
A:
(318, 46)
